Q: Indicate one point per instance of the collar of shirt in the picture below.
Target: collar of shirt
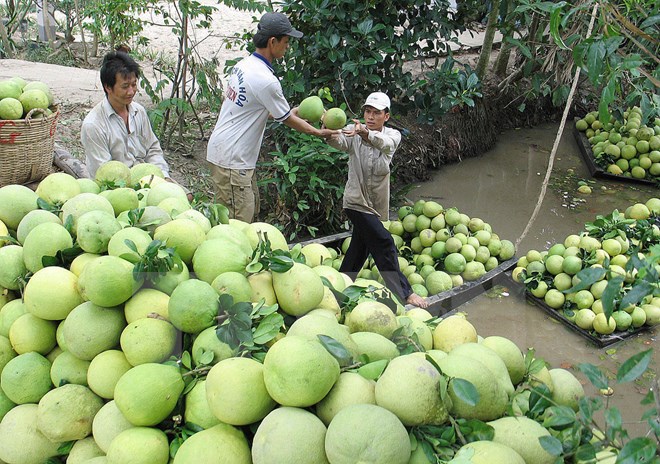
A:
(109, 110)
(262, 58)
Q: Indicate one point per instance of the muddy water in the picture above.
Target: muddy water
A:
(502, 187)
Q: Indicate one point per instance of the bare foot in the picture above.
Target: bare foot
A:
(416, 300)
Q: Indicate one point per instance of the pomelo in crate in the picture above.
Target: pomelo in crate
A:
(28, 122)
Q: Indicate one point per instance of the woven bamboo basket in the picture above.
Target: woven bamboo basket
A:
(26, 148)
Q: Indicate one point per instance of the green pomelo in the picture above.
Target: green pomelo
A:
(310, 326)
(416, 330)
(104, 372)
(26, 378)
(567, 389)
(95, 229)
(148, 393)
(113, 173)
(236, 392)
(39, 86)
(7, 353)
(171, 279)
(57, 188)
(298, 290)
(33, 99)
(84, 203)
(164, 190)
(10, 89)
(15, 202)
(208, 340)
(234, 284)
(88, 186)
(652, 314)
(333, 275)
(351, 388)
(193, 306)
(146, 301)
(330, 303)
(289, 435)
(148, 340)
(334, 118)
(453, 331)
(438, 282)
(488, 452)
(174, 206)
(117, 244)
(367, 433)
(196, 217)
(315, 254)
(230, 234)
(32, 220)
(510, 354)
(67, 369)
(139, 445)
(492, 398)
(13, 271)
(21, 442)
(455, 263)
(152, 217)
(139, 170)
(51, 293)
(9, 313)
(107, 424)
(262, 287)
(81, 261)
(66, 413)
(490, 359)
(311, 109)
(372, 316)
(107, 281)
(409, 388)
(84, 450)
(213, 257)
(31, 333)
(197, 410)
(91, 329)
(265, 231)
(44, 240)
(299, 372)
(6, 405)
(122, 199)
(220, 440)
(522, 435)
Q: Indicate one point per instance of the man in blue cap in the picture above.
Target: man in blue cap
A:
(253, 94)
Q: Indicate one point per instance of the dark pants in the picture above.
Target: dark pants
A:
(371, 237)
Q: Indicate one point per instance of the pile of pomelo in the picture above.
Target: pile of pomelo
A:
(104, 364)
(625, 148)
(440, 249)
(18, 98)
(609, 243)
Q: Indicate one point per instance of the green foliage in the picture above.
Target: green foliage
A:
(303, 183)
(357, 46)
(443, 89)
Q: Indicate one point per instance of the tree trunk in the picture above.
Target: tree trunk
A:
(505, 50)
(82, 30)
(487, 47)
(49, 33)
(5, 41)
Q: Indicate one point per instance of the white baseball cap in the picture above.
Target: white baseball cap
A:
(378, 100)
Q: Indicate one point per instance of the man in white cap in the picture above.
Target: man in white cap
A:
(371, 146)
(253, 94)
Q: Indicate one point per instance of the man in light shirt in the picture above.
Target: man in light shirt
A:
(371, 146)
(253, 94)
(118, 128)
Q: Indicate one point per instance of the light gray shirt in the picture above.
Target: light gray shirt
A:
(368, 186)
(105, 137)
(253, 93)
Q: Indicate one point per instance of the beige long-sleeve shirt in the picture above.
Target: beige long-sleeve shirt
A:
(105, 137)
(368, 186)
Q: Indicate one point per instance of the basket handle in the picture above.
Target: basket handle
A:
(34, 111)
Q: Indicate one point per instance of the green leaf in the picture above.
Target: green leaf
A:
(556, 416)
(551, 445)
(587, 277)
(186, 360)
(595, 375)
(268, 328)
(611, 293)
(206, 357)
(555, 22)
(638, 450)
(634, 366)
(336, 349)
(465, 391)
(595, 61)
